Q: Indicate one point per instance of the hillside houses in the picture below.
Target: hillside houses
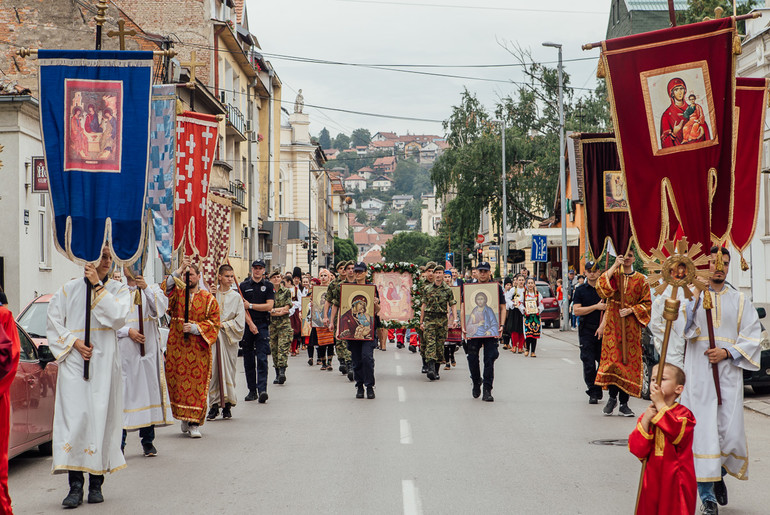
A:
(382, 183)
(385, 164)
(355, 183)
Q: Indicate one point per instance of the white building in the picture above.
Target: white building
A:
(29, 263)
(754, 62)
(355, 182)
(382, 183)
(399, 201)
(373, 205)
(430, 214)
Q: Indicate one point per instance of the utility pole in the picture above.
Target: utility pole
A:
(563, 197)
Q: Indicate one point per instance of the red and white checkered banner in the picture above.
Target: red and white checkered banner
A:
(219, 239)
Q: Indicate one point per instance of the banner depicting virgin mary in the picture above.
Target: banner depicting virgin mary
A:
(672, 94)
(95, 117)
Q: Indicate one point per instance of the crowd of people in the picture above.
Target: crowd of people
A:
(117, 375)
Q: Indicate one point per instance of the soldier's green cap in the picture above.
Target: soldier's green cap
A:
(422, 269)
(430, 265)
(276, 271)
(439, 269)
(341, 264)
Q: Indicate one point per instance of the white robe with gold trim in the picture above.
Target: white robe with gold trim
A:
(676, 343)
(233, 320)
(145, 399)
(88, 415)
(720, 437)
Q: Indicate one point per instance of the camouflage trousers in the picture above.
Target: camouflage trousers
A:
(434, 337)
(343, 353)
(281, 335)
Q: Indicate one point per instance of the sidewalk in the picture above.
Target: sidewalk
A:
(757, 403)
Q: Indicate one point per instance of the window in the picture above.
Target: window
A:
(42, 239)
(282, 186)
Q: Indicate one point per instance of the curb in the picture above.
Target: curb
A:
(760, 407)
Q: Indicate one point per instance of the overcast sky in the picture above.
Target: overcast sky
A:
(397, 32)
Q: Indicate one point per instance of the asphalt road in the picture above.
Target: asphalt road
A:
(418, 448)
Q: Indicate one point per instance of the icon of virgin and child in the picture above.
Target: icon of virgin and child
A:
(684, 121)
(356, 323)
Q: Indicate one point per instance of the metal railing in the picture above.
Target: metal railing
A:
(238, 190)
(235, 118)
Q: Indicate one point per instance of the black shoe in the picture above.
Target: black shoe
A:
(351, 373)
(400, 346)
(281, 375)
(310, 362)
(226, 413)
(360, 392)
(95, 489)
(720, 491)
(609, 407)
(709, 508)
(149, 450)
(593, 400)
(343, 369)
(625, 411)
(74, 497)
(487, 395)
(412, 348)
(424, 369)
(369, 392)
(448, 366)
(430, 369)
(252, 396)
(476, 390)
(213, 412)
(262, 397)
(438, 366)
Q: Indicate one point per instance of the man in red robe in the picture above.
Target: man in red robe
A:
(188, 355)
(9, 360)
(672, 121)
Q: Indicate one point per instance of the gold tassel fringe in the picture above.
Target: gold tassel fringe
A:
(737, 50)
(600, 72)
(744, 264)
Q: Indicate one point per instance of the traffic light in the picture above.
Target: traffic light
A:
(480, 255)
(311, 254)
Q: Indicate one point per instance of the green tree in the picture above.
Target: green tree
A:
(361, 138)
(395, 222)
(413, 209)
(697, 10)
(362, 217)
(324, 139)
(341, 142)
(344, 250)
(412, 247)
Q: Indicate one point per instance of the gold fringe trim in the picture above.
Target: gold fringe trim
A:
(737, 50)
(744, 264)
(600, 72)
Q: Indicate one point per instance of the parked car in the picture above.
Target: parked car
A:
(759, 380)
(32, 398)
(551, 315)
(34, 319)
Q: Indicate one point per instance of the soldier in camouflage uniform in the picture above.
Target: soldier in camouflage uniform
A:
(437, 301)
(333, 299)
(426, 279)
(280, 329)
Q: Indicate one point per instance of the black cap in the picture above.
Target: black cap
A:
(591, 265)
(359, 267)
(258, 262)
(483, 266)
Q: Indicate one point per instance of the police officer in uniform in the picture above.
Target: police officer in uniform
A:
(258, 299)
(489, 345)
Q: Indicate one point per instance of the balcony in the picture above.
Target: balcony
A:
(236, 126)
(238, 194)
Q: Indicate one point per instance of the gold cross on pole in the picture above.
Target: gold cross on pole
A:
(192, 64)
(121, 33)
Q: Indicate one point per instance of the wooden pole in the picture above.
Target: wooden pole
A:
(186, 301)
(141, 320)
(623, 340)
(708, 305)
(87, 337)
(671, 13)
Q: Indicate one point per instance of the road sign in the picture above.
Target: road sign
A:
(539, 248)
(480, 238)
(448, 256)
(494, 248)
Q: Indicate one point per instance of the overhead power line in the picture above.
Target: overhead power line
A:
(474, 7)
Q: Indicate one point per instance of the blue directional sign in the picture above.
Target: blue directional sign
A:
(449, 256)
(539, 248)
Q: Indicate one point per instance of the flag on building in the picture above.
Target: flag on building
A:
(95, 112)
(672, 96)
(196, 140)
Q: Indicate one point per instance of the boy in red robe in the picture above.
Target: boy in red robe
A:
(668, 485)
(9, 360)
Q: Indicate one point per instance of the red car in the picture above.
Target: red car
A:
(551, 316)
(34, 387)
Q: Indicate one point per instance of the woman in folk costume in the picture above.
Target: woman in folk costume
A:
(514, 299)
(628, 311)
(507, 287)
(144, 382)
(295, 286)
(232, 316)
(530, 308)
(323, 335)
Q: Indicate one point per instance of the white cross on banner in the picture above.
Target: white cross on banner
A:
(191, 216)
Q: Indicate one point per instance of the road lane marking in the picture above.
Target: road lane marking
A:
(412, 505)
(401, 394)
(399, 370)
(406, 432)
(569, 361)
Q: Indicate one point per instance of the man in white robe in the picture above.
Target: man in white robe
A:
(88, 414)
(145, 403)
(676, 342)
(232, 315)
(719, 443)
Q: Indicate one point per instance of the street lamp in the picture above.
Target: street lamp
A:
(504, 268)
(563, 196)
